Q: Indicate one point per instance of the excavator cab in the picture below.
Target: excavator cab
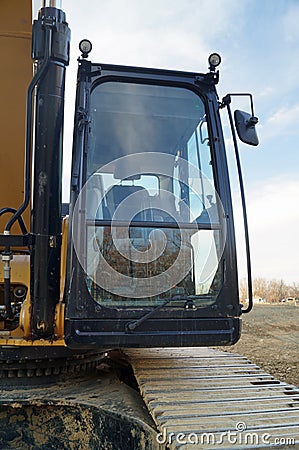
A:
(152, 257)
(146, 256)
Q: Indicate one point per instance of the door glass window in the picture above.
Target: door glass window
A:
(151, 209)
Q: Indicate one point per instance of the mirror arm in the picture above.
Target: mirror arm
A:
(226, 102)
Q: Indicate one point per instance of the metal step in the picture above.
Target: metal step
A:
(203, 398)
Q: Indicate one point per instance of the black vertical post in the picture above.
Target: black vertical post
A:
(50, 46)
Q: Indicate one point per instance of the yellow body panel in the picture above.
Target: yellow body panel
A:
(65, 226)
(15, 76)
(20, 270)
(22, 342)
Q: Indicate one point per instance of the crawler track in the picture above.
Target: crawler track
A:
(39, 368)
(203, 398)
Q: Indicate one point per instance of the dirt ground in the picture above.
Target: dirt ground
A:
(270, 338)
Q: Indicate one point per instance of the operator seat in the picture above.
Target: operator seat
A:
(133, 207)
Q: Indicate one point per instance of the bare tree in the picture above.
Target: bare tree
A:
(294, 290)
(272, 290)
(277, 290)
(260, 287)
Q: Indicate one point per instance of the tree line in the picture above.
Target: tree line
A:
(271, 290)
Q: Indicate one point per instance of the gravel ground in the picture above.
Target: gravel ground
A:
(270, 338)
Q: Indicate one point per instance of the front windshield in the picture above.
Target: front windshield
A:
(152, 214)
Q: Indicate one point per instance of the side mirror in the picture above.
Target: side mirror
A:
(245, 124)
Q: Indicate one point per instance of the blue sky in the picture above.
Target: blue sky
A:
(259, 44)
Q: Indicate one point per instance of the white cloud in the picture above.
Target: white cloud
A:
(168, 33)
(273, 216)
(285, 116)
(283, 121)
(267, 91)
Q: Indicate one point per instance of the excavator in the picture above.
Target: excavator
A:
(142, 258)
(145, 249)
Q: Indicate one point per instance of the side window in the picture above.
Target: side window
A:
(194, 182)
(201, 181)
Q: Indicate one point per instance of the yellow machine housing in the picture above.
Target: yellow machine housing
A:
(15, 44)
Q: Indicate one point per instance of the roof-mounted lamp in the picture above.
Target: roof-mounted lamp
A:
(85, 47)
(214, 61)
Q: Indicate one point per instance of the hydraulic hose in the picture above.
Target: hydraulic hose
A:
(20, 218)
(28, 146)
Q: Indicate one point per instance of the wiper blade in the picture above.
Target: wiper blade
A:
(131, 326)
